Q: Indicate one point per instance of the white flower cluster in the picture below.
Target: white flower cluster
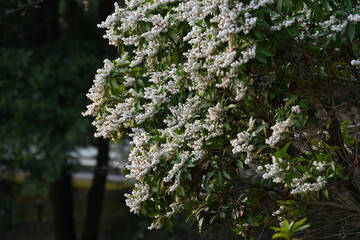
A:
(140, 194)
(242, 144)
(284, 24)
(296, 109)
(278, 130)
(141, 159)
(222, 13)
(175, 208)
(278, 170)
(191, 52)
(215, 113)
(355, 62)
(96, 92)
(176, 171)
(339, 27)
(300, 186)
(274, 170)
(320, 166)
(279, 211)
(354, 17)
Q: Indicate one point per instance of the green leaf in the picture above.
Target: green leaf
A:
(299, 223)
(260, 127)
(341, 13)
(261, 58)
(279, 5)
(200, 224)
(152, 214)
(286, 224)
(302, 228)
(240, 164)
(231, 106)
(258, 34)
(300, 168)
(237, 229)
(180, 191)
(114, 83)
(247, 218)
(212, 218)
(155, 189)
(189, 164)
(173, 35)
(174, 57)
(187, 175)
(281, 235)
(140, 82)
(288, 3)
(136, 69)
(227, 126)
(207, 180)
(226, 174)
(326, 194)
(264, 51)
(220, 180)
(269, 11)
(351, 31)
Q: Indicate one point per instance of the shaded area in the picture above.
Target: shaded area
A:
(117, 222)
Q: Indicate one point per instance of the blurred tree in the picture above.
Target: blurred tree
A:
(47, 58)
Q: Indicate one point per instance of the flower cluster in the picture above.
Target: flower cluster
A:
(278, 132)
(187, 86)
(140, 194)
(300, 186)
(242, 144)
(274, 170)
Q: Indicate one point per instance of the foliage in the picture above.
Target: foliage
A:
(51, 87)
(45, 58)
(289, 229)
(42, 86)
(234, 109)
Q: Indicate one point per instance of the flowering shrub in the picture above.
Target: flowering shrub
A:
(234, 107)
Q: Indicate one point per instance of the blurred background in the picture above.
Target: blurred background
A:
(56, 180)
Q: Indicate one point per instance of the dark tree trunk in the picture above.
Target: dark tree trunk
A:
(96, 193)
(77, 25)
(61, 193)
(46, 27)
(61, 197)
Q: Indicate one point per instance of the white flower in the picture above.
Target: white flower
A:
(273, 171)
(295, 109)
(242, 144)
(355, 62)
(140, 194)
(278, 129)
(97, 91)
(300, 186)
(354, 17)
(215, 113)
(320, 166)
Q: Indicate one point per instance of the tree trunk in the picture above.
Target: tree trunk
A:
(46, 27)
(61, 197)
(96, 193)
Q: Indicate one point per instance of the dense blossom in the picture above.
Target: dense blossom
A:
(199, 88)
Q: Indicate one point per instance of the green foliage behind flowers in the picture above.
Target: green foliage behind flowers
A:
(40, 105)
(233, 107)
